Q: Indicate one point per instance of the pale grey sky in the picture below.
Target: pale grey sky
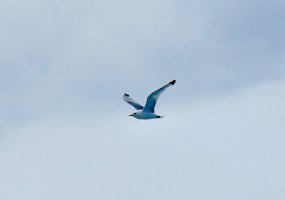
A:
(65, 130)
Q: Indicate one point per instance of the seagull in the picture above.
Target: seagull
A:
(147, 112)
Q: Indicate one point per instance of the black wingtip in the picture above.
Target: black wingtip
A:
(172, 82)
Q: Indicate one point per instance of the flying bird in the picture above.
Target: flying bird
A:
(147, 112)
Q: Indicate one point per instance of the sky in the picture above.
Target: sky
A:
(65, 132)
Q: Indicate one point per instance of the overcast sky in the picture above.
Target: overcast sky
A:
(65, 130)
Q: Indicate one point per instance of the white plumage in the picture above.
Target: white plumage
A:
(147, 112)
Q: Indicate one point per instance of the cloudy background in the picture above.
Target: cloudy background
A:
(65, 130)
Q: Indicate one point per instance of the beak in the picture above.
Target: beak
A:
(131, 115)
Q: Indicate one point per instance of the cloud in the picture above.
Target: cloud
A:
(227, 147)
(65, 66)
(65, 53)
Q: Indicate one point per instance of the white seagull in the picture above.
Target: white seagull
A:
(147, 112)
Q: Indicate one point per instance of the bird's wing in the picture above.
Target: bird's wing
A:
(152, 98)
(129, 100)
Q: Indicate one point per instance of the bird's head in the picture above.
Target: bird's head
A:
(134, 114)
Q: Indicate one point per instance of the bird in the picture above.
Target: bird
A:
(147, 112)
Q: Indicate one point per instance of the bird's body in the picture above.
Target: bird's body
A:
(147, 112)
(145, 115)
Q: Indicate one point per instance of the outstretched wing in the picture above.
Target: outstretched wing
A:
(129, 100)
(152, 98)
